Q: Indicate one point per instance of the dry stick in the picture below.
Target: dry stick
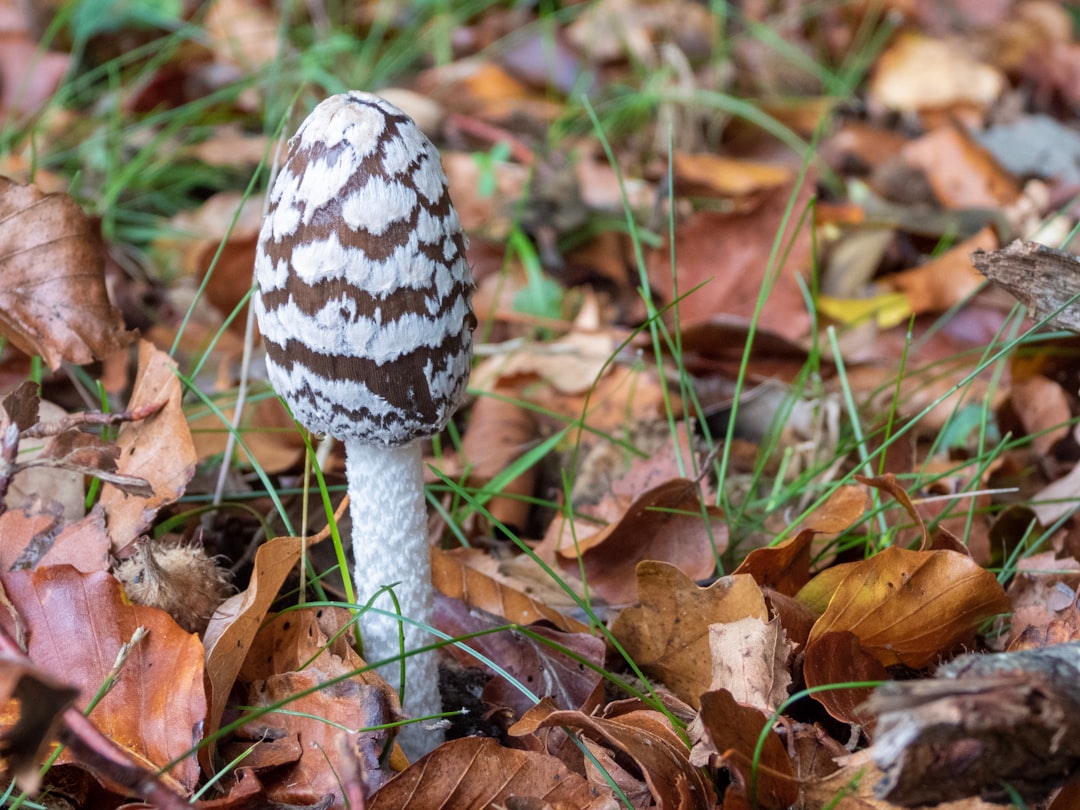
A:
(982, 724)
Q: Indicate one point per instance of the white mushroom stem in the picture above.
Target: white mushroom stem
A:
(389, 536)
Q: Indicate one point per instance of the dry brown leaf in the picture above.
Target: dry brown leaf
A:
(726, 733)
(664, 524)
(839, 658)
(53, 300)
(668, 635)
(453, 575)
(1043, 408)
(233, 626)
(268, 431)
(500, 431)
(158, 450)
(478, 772)
(946, 280)
(712, 174)
(28, 731)
(76, 624)
(962, 173)
(732, 286)
(919, 73)
(911, 607)
(785, 567)
(536, 660)
(299, 651)
(644, 735)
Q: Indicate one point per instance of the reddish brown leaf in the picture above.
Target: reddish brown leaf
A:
(31, 725)
(158, 450)
(726, 733)
(477, 772)
(664, 524)
(786, 567)
(646, 736)
(540, 666)
(731, 286)
(836, 658)
(453, 574)
(233, 627)
(76, 625)
(53, 300)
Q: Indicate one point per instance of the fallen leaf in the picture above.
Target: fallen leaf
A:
(910, 607)
(233, 627)
(546, 661)
(749, 660)
(836, 658)
(919, 73)
(76, 624)
(644, 735)
(53, 300)
(478, 772)
(453, 574)
(946, 280)
(732, 286)
(962, 173)
(726, 733)
(158, 449)
(722, 176)
(25, 737)
(785, 567)
(665, 524)
(668, 635)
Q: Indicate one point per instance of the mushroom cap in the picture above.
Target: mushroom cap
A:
(364, 298)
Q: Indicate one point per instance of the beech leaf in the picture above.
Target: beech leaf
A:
(909, 607)
(53, 300)
(76, 624)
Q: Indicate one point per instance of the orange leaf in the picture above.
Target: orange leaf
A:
(911, 607)
(728, 732)
(53, 300)
(233, 626)
(646, 736)
(452, 575)
(786, 567)
(76, 624)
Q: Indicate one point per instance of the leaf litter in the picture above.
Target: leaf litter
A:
(750, 432)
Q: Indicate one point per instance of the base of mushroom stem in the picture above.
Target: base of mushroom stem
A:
(390, 547)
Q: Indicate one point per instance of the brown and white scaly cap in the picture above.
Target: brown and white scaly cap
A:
(364, 292)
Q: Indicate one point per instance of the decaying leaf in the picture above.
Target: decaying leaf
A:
(726, 732)
(665, 524)
(76, 625)
(53, 300)
(478, 772)
(232, 629)
(158, 450)
(42, 699)
(668, 634)
(644, 735)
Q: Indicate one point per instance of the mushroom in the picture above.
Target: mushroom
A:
(364, 304)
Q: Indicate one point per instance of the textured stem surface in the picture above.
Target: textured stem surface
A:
(389, 534)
